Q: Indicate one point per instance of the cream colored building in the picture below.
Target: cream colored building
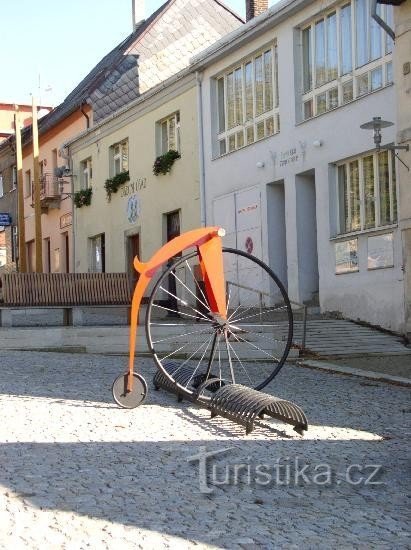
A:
(147, 210)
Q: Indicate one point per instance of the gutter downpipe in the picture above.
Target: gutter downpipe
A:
(65, 154)
(85, 114)
(380, 21)
(203, 213)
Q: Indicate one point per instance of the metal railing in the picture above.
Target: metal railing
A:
(50, 187)
(261, 293)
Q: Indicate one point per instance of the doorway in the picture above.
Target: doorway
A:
(133, 250)
(277, 246)
(308, 275)
(173, 231)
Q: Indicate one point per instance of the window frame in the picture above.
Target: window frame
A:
(86, 173)
(119, 156)
(247, 130)
(174, 119)
(363, 73)
(28, 183)
(344, 220)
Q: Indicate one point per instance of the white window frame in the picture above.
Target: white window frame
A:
(1, 185)
(119, 151)
(237, 136)
(86, 171)
(376, 198)
(165, 139)
(14, 177)
(27, 184)
(357, 75)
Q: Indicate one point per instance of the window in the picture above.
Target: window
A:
(367, 192)
(27, 183)
(97, 254)
(86, 173)
(1, 186)
(247, 102)
(345, 55)
(119, 158)
(169, 134)
(14, 177)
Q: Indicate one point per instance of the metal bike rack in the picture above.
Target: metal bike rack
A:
(235, 402)
(243, 405)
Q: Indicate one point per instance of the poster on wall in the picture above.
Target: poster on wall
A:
(381, 251)
(346, 256)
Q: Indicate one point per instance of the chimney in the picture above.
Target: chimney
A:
(137, 14)
(254, 8)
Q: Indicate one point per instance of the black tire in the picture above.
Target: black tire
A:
(125, 399)
(179, 313)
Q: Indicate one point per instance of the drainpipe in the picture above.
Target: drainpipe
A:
(380, 21)
(65, 154)
(203, 214)
(84, 113)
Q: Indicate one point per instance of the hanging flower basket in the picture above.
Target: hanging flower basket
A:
(164, 163)
(113, 184)
(83, 197)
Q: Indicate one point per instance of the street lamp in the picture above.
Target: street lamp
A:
(376, 124)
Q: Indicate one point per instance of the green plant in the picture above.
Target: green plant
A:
(163, 163)
(112, 184)
(83, 197)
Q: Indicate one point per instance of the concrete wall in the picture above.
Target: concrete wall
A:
(402, 68)
(375, 296)
(156, 195)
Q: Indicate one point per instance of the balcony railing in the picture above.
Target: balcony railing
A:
(50, 191)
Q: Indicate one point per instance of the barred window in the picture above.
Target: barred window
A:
(247, 98)
(367, 195)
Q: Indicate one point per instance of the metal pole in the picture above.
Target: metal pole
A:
(20, 196)
(304, 329)
(36, 183)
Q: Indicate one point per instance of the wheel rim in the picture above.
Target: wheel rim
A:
(190, 344)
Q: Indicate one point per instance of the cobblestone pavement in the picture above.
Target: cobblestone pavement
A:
(79, 472)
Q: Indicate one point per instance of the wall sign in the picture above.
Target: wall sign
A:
(381, 251)
(5, 219)
(346, 256)
(132, 187)
(133, 208)
(288, 157)
(66, 220)
(249, 245)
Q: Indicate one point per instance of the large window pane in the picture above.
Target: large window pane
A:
(394, 190)
(390, 21)
(320, 76)
(238, 78)
(307, 72)
(384, 183)
(375, 37)
(277, 95)
(230, 100)
(343, 199)
(369, 192)
(259, 86)
(268, 80)
(332, 56)
(221, 105)
(249, 91)
(361, 34)
(355, 196)
(346, 46)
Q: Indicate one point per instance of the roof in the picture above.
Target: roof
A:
(81, 92)
(254, 27)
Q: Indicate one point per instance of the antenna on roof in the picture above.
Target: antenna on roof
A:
(137, 12)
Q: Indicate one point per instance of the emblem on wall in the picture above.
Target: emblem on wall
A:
(133, 208)
(249, 245)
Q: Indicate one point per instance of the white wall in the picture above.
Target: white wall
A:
(374, 296)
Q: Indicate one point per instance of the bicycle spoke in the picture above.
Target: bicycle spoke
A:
(239, 360)
(198, 286)
(199, 363)
(270, 310)
(239, 339)
(180, 312)
(183, 302)
(189, 290)
(175, 336)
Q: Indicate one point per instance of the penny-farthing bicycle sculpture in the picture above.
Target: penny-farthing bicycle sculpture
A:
(215, 316)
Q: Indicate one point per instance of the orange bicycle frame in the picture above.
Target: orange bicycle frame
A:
(209, 246)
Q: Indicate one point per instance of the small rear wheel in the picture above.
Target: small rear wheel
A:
(129, 399)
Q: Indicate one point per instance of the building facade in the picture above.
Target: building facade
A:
(288, 171)
(148, 209)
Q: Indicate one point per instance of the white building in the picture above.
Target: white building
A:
(288, 171)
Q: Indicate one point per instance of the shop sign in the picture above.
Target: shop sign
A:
(346, 256)
(132, 187)
(5, 219)
(66, 220)
(381, 251)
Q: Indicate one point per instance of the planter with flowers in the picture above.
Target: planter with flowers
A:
(164, 163)
(83, 197)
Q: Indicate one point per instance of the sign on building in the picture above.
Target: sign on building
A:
(5, 219)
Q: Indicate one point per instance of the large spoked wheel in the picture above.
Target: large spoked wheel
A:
(192, 345)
